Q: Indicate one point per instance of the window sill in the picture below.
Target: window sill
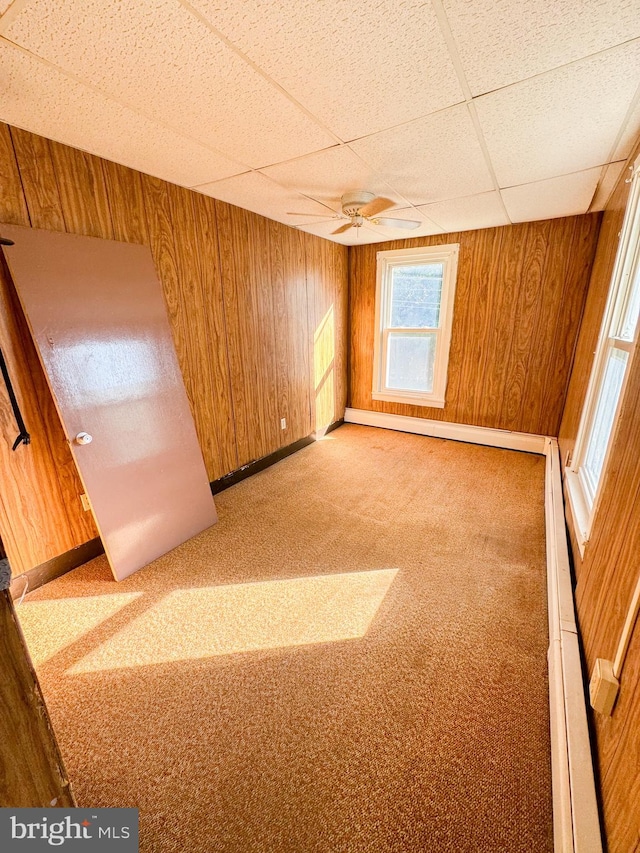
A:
(408, 399)
(580, 512)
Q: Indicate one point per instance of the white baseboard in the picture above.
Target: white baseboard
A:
(524, 441)
(576, 823)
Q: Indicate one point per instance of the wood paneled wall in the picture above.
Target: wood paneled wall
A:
(519, 299)
(33, 773)
(609, 570)
(246, 297)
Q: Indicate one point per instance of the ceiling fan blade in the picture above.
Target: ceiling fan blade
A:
(396, 223)
(378, 205)
(343, 228)
(327, 215)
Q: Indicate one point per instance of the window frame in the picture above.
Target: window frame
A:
(386, 262)
(584, 495)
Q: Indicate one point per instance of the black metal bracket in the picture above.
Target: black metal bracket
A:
(23, 437)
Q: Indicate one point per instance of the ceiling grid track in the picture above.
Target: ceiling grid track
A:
(457, 64)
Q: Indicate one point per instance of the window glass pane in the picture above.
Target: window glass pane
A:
(415, 296)
(410, 362)
(630, 319)
(605, 411)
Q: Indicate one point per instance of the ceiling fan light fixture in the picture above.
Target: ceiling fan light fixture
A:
(352, 202)
(362, 206)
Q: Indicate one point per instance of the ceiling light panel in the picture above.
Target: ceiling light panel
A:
(358, 67)
(562, 121)
(327, 175)
(606, 185)
(519, 40)
(466, 214)
(43, 100)
(159, 58)
(255, 192)
(433, 158)
(566, 195)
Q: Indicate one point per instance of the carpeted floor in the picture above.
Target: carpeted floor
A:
(353, 660)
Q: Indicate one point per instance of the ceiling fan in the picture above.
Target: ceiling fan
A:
(361, 206)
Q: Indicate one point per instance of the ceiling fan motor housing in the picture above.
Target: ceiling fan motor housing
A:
(353, 201)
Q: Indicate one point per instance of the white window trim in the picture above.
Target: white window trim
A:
(583, 497)
(448, 254)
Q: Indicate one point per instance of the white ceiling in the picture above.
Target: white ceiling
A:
(463, 114)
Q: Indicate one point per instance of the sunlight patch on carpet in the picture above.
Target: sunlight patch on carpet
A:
(51, 626)
(188, 624)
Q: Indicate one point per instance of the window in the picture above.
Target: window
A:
(414, 312)
(618, 337)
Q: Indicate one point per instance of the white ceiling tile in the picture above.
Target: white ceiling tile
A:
(159, 58)
(606, 185)
(358, 67)
(484, 210)
(352, 237)
(630, 133)
(430, 159)
(327, 175)
(46, 101)
(255, 192)
(504, 41)
(566, 195)
(562, 121)
(4, 5)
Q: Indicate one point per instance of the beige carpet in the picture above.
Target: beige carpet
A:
(353, 659)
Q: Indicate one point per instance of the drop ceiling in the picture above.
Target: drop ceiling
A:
(463, 114)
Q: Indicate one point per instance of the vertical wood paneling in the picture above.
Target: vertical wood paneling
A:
(609, 570)
(519, 299)
(126, 202)
(501, 327)
(245, 352)
(194, 340)
(483, 256)
(519, 367)
(13, 209)
(33, 773)
(328, 293)
(158, 209)
(567, 320)
(289, 284)
(83, 194)
(207, 260)
(38, 180)
(361, 310)
(545, 406)
(246, 269)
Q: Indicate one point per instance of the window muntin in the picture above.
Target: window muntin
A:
(414, 307)
(616, 345)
